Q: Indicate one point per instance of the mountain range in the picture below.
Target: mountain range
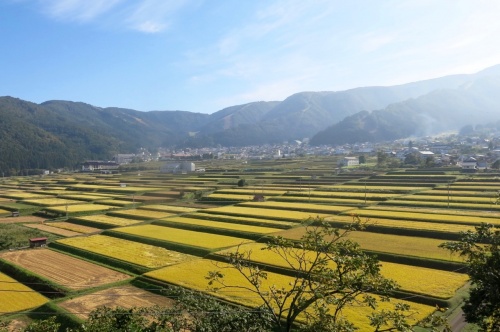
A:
(57, 134)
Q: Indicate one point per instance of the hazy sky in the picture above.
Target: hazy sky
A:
(205, 55)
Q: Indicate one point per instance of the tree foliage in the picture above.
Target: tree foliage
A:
(330, 273)
(481, 249)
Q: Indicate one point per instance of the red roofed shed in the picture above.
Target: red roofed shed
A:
(38, 242)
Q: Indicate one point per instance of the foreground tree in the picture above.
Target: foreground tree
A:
(481, 250)
(329, 273)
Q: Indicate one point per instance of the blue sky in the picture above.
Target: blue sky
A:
(205, 55)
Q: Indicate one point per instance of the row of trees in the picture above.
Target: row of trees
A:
(330, 273)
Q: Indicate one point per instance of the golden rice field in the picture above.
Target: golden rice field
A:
(168, 208)
(414, 279)
(298, 206)
(459, 186)
(79, 208)
(82, 197)
(363, 188)
(431, 217)
(340, 194)
(23, 195)
(51, 201)
(453, 205)
(319, 200)
(222, 225)
(421, 280)
(4, 212)
(74, 227)
(451, 199)
(128, 251)
(487, 214)
(17, 297)
(242, 220)
(252, 192)
(141, 214)
(192, 275)
(406, 224)
(230, 197)
(90, 186)
(296, 216)
(445, 192)
(115, 202)
(393, 244)
(110, 220)
(129, 189)
(181, 236)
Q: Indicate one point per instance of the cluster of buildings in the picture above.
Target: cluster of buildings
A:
(471, 153)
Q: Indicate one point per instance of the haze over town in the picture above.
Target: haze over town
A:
(202, 56)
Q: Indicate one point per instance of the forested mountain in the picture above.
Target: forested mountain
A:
(63, 133)
(442, 110)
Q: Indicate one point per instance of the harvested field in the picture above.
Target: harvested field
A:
(62, 269)
(21, 219)
(53, 230)
(122, 296)
(74, 227)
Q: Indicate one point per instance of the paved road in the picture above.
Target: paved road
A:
(458, 322)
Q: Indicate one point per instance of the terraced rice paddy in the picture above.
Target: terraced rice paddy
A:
(252, 192)
(129, 251)
(181, 236)
(405, 224)
(393, 244)
(399, 203)
(242, 220)
(218, 225)
(64, 270)
(295, 216)
(141, 214)
(109, 220)
(229, 197)
(51, 201)
(414, 279)
(192, 275)
(306, 207)
(371, 188)
(430, 217)
(168, 208)
(17, 297)
(79, 208)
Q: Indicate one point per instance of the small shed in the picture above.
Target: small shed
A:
(38, 242)
(258, 198)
